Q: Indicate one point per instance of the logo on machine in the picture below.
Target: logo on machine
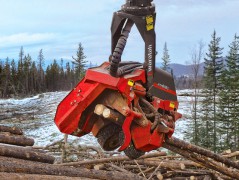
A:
(150, 58)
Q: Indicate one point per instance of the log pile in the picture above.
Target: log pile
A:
(192, 162)
(14, 144)
(89, 162)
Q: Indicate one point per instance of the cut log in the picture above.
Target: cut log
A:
(12, 165)
(204, 161)
(25, 153)
(18, 176)
(167, 164)
(16, 140)
(236, 153)
(185, 173)
(106, 160)
(13, 130)
(187, 146)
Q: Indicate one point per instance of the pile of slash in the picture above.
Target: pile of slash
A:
(64, 159)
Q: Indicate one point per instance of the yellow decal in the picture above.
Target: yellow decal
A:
(131, 83)
(172, 105)
(149, 23)
(149, 19)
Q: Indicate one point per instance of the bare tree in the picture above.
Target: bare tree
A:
(196, 57)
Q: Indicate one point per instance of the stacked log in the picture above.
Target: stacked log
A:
(25, 161)
(194, 163)
(14, 144)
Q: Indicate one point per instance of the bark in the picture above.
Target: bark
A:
(25, 153)
(236, 153)
(192, 177)
(185, 173)
(187, 146)
(16, 140)
(18, 176)
(13, 130)
(167, 165)
(12, 165)
(204, 161)
(106, 160)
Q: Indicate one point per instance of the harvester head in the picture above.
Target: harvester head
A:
(131, 106)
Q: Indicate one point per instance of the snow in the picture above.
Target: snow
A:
(35, 115)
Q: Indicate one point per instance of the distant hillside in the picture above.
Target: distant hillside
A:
(179, 69)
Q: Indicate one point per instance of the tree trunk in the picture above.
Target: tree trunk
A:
(25, 153)
(106, 160)
(187, 146)
(17, 176)
(13, 130)
(204, 161)
(12, 165)
(16, 140)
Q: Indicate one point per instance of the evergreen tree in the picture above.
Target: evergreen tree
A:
(6, 79)
(20, 85)
(14, 76)
(79, 63)
(229, 99)
(212, 83)
(165, 58)
(41, 71)
(34, 78)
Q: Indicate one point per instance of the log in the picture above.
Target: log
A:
(17, 176)
(25, 153)
(119, 168)
(12, 165)
(187, 146)
(162, 164)
(154, 154)
(16, 140)
(191, 178)
(106, 160)
(185, 173)
(204, 161)
(236, 153)
(13, 130)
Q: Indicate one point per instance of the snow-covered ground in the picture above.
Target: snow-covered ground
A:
(35, 115)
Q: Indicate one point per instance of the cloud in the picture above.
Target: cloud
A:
(26, 39)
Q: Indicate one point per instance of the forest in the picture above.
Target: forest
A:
(27, 76)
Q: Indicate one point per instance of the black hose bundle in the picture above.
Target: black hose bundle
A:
(154, 111)
(116, 56)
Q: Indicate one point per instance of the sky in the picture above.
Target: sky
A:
(58, 26)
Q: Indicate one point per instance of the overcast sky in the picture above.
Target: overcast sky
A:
(57, 26)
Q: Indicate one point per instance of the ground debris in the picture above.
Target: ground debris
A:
(91, 162)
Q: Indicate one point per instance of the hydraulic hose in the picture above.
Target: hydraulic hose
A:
(154, 111)
(119, 48)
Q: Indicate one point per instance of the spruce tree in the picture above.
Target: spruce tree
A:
(20, 75)
(41, 74)
(229, 99)
(165, 58)
(79, 63)
(6, 79)
(212, 83)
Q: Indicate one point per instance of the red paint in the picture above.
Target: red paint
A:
(164, 89)
(69, 116)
